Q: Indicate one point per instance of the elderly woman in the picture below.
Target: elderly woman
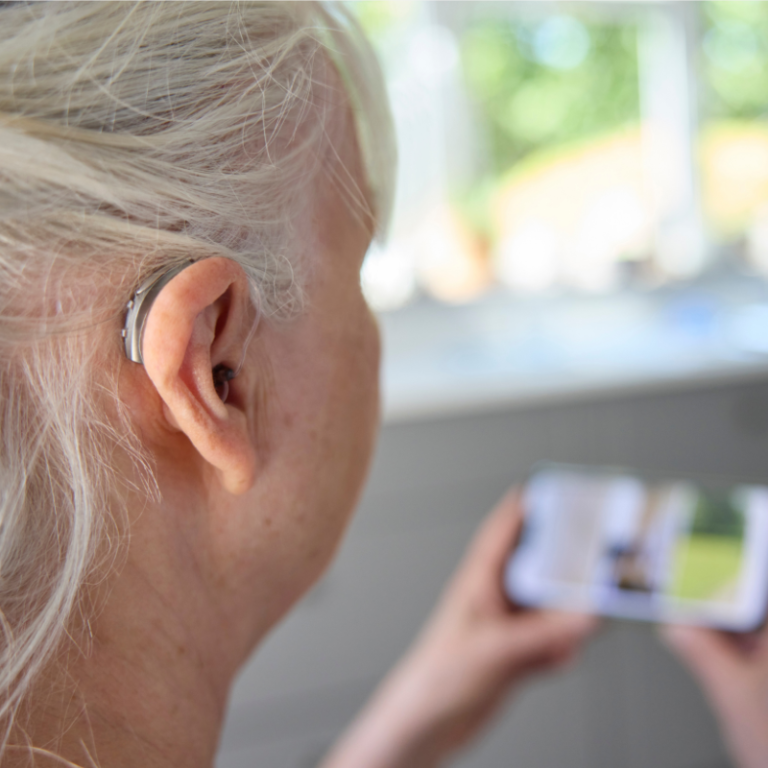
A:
(188, 390)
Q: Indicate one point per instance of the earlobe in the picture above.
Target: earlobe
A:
(199, 323)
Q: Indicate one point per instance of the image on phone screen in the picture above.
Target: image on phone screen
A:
(611, 542)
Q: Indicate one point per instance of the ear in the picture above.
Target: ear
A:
(201, 319)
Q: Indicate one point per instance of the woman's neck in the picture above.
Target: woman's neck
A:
(147, 686)
(148, 681)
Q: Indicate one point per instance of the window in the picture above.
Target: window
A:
(583, 195)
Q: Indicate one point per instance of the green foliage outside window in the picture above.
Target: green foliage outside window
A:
(548, 83)
(735, 59)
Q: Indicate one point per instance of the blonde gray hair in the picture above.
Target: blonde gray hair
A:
(134, 136)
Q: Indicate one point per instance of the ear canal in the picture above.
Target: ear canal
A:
(222, 375)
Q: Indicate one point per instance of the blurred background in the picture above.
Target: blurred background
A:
(576, 272)
(583, 194)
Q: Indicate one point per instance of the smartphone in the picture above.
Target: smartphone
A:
(619, 543)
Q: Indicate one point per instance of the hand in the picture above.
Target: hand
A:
(474, 649)
(733, 671)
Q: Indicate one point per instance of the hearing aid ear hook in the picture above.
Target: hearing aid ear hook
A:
(137, 311)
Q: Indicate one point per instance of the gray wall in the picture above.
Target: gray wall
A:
(626, 703)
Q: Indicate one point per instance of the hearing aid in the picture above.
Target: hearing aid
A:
(137, 311)
(222, 375)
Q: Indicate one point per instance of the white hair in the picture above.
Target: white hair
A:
(134, 136)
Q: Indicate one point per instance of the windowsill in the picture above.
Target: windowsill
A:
(506, 351)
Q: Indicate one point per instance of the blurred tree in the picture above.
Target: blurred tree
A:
(735, 59)
(380, 19)
(547, 83)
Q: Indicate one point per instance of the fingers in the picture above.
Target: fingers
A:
(550, 629)
(497, 536)
(500, 529)
(710, 656)
(544, 637)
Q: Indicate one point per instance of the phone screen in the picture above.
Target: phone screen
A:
(611, 542)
